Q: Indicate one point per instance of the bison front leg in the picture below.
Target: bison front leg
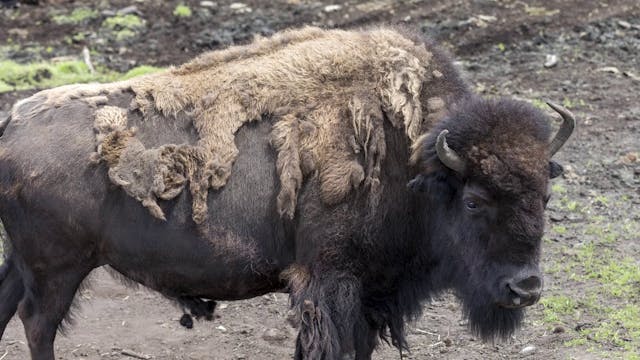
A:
(328, 312)
(46, 301)
(11, 292)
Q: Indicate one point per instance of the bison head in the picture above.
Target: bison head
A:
(484, 175)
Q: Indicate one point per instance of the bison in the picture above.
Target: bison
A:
(354, 170)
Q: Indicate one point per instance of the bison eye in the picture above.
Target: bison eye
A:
(471, 205)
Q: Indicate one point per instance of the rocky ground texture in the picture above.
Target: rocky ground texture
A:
(584, 54)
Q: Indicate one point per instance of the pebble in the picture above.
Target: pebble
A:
(623, 24)
(208, 4)
(558, 329)
(609, 69)
(551, 61)
(274, 335)
(332, 8)
(631, 75)
(528, 350)
(21, 33)
(222, 328)
(554, 216)
(236, 6)
(129, 10)
(240, 8)
(487, 18)
(631, 157)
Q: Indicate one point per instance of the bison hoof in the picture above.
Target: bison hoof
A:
(186, 321)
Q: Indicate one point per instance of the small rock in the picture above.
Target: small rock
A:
(208, 4)
(623, 24)
(21, 33)
(240, 8)
(222, 328)
(554, 216)
(274, 335)
(582, 326)
(609, 69)
(332, 8)
(551, 61)
(631, 75)
(629, 158)
(129, 10)
(558, 329)
(487, 18)
(528, 350)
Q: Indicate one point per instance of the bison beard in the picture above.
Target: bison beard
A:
(489, 321)
(486, 319)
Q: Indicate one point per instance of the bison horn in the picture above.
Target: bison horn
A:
(448, 157)
(568, 124)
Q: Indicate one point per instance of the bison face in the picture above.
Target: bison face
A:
(484, 207)
(498, 240)
(487, 247)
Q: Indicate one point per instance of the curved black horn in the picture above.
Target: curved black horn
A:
(566, 129)
(448, 157)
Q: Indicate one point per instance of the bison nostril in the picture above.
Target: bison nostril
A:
(532, 285)
(526, 290)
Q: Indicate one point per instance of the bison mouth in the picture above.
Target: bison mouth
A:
(518, 302)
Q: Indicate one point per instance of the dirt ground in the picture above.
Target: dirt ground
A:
(584, 54)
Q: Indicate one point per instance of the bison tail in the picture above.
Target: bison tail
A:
(11, 291)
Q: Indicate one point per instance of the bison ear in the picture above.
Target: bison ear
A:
(555, 169)
(418, 184)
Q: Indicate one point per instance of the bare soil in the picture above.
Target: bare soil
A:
(501, 46)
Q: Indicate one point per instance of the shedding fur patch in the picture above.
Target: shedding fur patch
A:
(328, 91)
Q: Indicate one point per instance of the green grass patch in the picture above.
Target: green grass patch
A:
(559, 229)
(540, 104)
(123, 27)
(14, 76)
(120, 22)
(124, 34)
(620, 278)
(182, 11)
(557, 307)
(77, 16)
(559, 189)
(621, 328)
(139, 71)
